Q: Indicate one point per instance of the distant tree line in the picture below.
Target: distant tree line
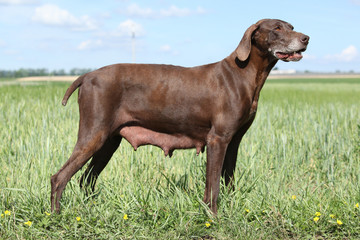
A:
(29, 72)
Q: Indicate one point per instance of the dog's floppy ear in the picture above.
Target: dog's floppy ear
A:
(244, 48)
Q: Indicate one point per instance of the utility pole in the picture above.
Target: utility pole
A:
(133, 47)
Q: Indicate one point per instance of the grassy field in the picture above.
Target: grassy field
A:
(297, 176)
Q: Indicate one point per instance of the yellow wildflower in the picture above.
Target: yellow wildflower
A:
(125, 217)
(78, 219)
(316, 219)
(247, 210)
(28, 223)
(207, 224)
(7, 212)
(357, 205)
(332, 215)
(293, 197)
(48, 214)
(318, 214)
(2, 215)
(339, 222)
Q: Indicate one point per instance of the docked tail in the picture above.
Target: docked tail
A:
(72, 88)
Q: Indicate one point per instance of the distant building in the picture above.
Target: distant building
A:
(288, 71)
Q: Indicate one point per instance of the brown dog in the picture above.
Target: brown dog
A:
(174, 107)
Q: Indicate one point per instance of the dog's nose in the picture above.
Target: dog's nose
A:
(304, 39)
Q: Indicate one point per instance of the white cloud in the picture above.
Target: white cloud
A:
(121, 36)
(135, 10)
(53, 15)
(174, 11)
(90, 44)
(356, 2)
(168, 50)
(128, 27)
(165, 48)
(17, 2)
(347, 55)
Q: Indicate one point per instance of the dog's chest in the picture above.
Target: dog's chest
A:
(253, 108)
(254, 102)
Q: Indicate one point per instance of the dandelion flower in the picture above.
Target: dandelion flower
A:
(78, 219)
(207, 224)
(2, 215)
(48, 214)
(247, 210)
(316, 219)
(332, 215)
(357, 205)
(293, 197)
(28, 223)
(339, 222)
(125, 217)
(7, 212)
(318, 214)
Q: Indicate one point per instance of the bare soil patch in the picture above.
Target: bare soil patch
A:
(48, 79)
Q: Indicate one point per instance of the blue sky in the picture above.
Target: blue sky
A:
(63, 34)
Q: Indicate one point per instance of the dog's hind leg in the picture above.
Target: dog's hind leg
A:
(98, 163)
(84, 149)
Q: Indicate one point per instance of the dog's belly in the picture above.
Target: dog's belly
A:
(139, 136)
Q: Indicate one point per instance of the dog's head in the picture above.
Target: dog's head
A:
(275, 38)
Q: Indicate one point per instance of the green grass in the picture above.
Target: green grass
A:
(316, 80)
(304, 142)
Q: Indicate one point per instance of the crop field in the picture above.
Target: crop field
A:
(297, 175)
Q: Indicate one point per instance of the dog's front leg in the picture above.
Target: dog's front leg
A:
(216, 149)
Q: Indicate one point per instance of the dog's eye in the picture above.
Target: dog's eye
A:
(278, 28)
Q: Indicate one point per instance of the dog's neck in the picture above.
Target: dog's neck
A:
(257, 66)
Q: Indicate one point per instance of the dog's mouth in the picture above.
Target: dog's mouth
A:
(290, 56)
